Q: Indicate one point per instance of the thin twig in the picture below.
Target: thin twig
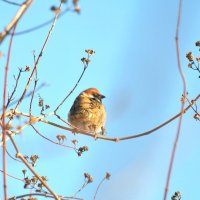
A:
(35, 84)
(57, 143)
(41, 25)
(4, 126)
(122, 138)
(13, 176)
(21, 157)
(85, 67)
(82, 187)
(12, 156)
(60, 118)
(17, 17)
(173, 154)
(99, 187)
(41, 119)
(12, 3)
(14, 90)
(38, 59)
(44, 195)
(27, 95)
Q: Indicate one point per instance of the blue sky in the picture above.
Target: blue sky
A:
(135, 67)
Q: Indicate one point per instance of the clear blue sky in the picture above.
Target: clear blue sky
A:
(135, 67)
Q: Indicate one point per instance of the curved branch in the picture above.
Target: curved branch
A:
(42, 24)
(4, 114)
(122, 138)
(17, 17)
(173, 154)
(44, 195)
(21, 157)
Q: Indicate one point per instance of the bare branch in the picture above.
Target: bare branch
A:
(12, 3)
(4, 126)
(44, 195)
(85, 67)
(42, 24)
(13, 176)
(63, 145)
(38, 59)
(173, 154)
(17, 17)
(21, 157)
(14, 90)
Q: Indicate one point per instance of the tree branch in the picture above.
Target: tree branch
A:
(4, 126)
(21, 157)
(17, 17)
(173, 154)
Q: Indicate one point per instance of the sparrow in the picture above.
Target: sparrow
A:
(88, 112)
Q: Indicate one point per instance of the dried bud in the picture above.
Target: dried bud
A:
(88, 177)
(75, 2)
(193, 102)
(34, 180)
(90, 51)
(34, 159)
(24, 171)
(44, 178)
(197, 116)
(58, 137)
(87, 61)
(28, 68)
(198, 43)
(83, 59)
(189, 56)
(108, 175)
(47, 106)
(198, 59)
(41, 102)
(77, 9)
(178, 194)
(55, 9)
(190, 65)
(75, 142)
(183, 99)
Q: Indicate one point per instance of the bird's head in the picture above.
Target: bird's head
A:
(93, 93)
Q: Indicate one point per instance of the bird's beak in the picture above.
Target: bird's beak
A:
(102, 96)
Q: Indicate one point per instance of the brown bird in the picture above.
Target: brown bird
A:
(88, 112)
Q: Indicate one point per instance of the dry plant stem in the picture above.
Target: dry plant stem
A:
(44, 195)
(41, 119)
(51, 140)
(38, 59)
(14, 90)
(10, 2)
(12, 156)
(21, 157)
(4, 115)
(122, 138)
(35, 84)
(17, 17)
(27, 95)
(99, 187)
(183, 103)
(83, 186)
(85, 67)
(41, 25)
(13, 176)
